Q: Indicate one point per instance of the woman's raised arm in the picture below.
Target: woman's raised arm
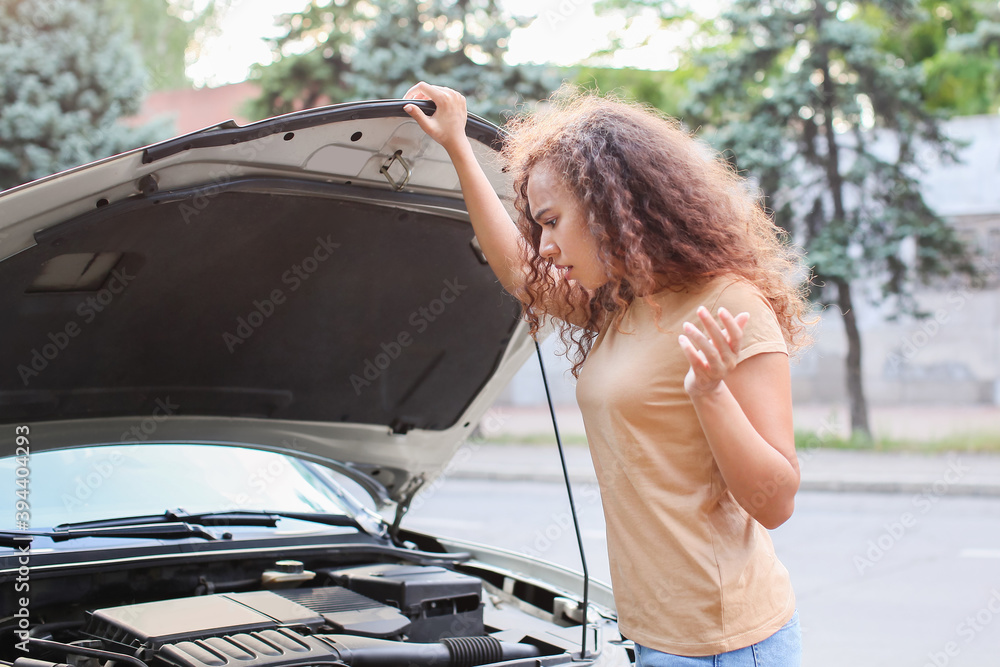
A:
(497, 234)
(498, 237)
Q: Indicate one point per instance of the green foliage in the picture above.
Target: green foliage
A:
(665, 90)
(66, 78)
(161, 34)
(955, 43)
(971, 441)
(952, 44)
(354, 49)
(963, 84)
(311, 58)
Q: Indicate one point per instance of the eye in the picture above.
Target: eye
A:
(551, 222)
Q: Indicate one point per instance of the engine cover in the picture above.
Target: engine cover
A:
(268, 648)
(278, 648)
(149, 625)
(438, 602)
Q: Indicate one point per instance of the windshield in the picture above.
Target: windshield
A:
(69, 486)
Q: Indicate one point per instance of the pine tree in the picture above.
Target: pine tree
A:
(378, 49)
(66, 78)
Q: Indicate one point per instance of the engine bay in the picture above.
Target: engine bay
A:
(293, 613)
(315, 625)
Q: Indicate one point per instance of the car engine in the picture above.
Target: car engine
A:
(367, 615)
(435, 607)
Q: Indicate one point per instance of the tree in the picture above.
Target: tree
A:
(667, 91)
(163, 31)
(65, 79)
(805, 98)
(311, 60)
(354, 49)
(956, 43)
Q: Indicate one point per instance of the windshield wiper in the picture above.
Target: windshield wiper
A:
(155, 531)
(14, 540)
(173, 524)
(224, 518)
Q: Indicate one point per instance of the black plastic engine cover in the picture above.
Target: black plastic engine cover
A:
(439, 602)
(348, 611)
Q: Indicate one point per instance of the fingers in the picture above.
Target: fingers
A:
(423, 120)
(712, 353)
(447, 124)
(708, 349)
(436, 94)
(694, 356)
(699, 378)
(417, 114)
(724, 340)
(418, 91)
(719, 344)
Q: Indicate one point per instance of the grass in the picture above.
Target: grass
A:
(959, 442)
(537, 439)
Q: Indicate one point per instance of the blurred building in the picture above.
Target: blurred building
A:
(193, 109)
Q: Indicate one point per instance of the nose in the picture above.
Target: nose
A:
(546, 246)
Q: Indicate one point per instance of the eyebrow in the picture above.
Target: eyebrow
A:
(537, 215)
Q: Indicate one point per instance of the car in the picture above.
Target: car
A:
(232, 359)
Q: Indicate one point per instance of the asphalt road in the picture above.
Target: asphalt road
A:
(881, 579)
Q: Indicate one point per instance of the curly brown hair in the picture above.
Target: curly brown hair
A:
(666, 212)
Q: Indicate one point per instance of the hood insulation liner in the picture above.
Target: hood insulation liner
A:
(258, 298)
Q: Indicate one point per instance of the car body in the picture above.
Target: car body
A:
(231, 360)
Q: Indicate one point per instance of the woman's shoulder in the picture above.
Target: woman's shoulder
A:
(713, 291)
(738, 288)
(737, 295)
(762, 333)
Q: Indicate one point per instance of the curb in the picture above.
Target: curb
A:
(914, 488)
(819, 485)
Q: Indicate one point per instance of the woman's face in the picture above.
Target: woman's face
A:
(565, 237)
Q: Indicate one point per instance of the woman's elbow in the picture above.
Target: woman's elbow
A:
(777, 513)
(772, 502)
(775, 507)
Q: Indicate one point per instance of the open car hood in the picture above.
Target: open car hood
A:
(308, 284)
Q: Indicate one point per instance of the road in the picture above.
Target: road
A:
(881, 579)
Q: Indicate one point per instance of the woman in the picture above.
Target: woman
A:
(631, 235)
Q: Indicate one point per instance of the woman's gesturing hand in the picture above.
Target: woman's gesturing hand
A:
(714, 355)
(447, 125)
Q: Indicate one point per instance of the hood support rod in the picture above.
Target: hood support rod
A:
(403, 506)
(572, 504)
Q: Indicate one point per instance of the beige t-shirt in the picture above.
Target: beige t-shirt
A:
(692, 572)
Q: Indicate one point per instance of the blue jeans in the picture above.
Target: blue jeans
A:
(782, 649)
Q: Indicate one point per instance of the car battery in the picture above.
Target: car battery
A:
(439, 603)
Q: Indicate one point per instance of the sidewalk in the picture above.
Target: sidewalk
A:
(953, 473)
